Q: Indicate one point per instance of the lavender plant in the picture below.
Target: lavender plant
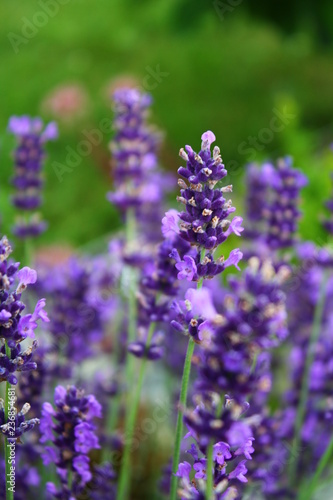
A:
(273, 203)
(71, 434)
(15, 328)
(205, 225)
(28, 179)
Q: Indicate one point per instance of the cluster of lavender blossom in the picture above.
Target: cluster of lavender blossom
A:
(164, 304)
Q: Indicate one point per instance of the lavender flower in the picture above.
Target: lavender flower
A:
(14, 327)
(133, 147)
(102, 485)
(204, 224)
(77, 315)
(277, 190)
(139, 185)
(233, 441)
(253, 319)
(70, 429)
(282, 213)
(257, 178)
(29, 156)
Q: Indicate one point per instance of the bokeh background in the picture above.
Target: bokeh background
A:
(229, 66)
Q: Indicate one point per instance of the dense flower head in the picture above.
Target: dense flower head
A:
(133, 148)
(29, 156)
(77, 307)
(139, 185)
(253, 320)
(69, 429)
(204, 223)
(273, 202)
(102, 485)
(283, 213)
(232, 438)
(14, 326)
(256, 197)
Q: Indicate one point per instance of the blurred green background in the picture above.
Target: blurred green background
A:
(226, 66)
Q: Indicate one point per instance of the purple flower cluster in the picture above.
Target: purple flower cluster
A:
(15, 327)
(232, 435)
(102, 485)
(76, 315)
(29, 157)
(253, 319)
(273, 201)
(133, 147)
(204, 223)
(70, 429)
(256, 198)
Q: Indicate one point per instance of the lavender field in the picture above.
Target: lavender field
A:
(166, 257)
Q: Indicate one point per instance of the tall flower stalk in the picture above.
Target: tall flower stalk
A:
(134, 150)
(205, 225)
(71, 433)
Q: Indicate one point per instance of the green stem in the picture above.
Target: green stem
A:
(9, 494)
(182, 404)
(179, 427)
(133, 406)
(301, 410)
(130, 280)
(209, 473)
(112, 413)
(70, 478)
(309, 489)
(210, 461)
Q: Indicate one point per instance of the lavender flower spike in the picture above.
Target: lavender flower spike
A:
(14, 326)
(134, 148)
(205, 223)
(29, 156)
(70, 428)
